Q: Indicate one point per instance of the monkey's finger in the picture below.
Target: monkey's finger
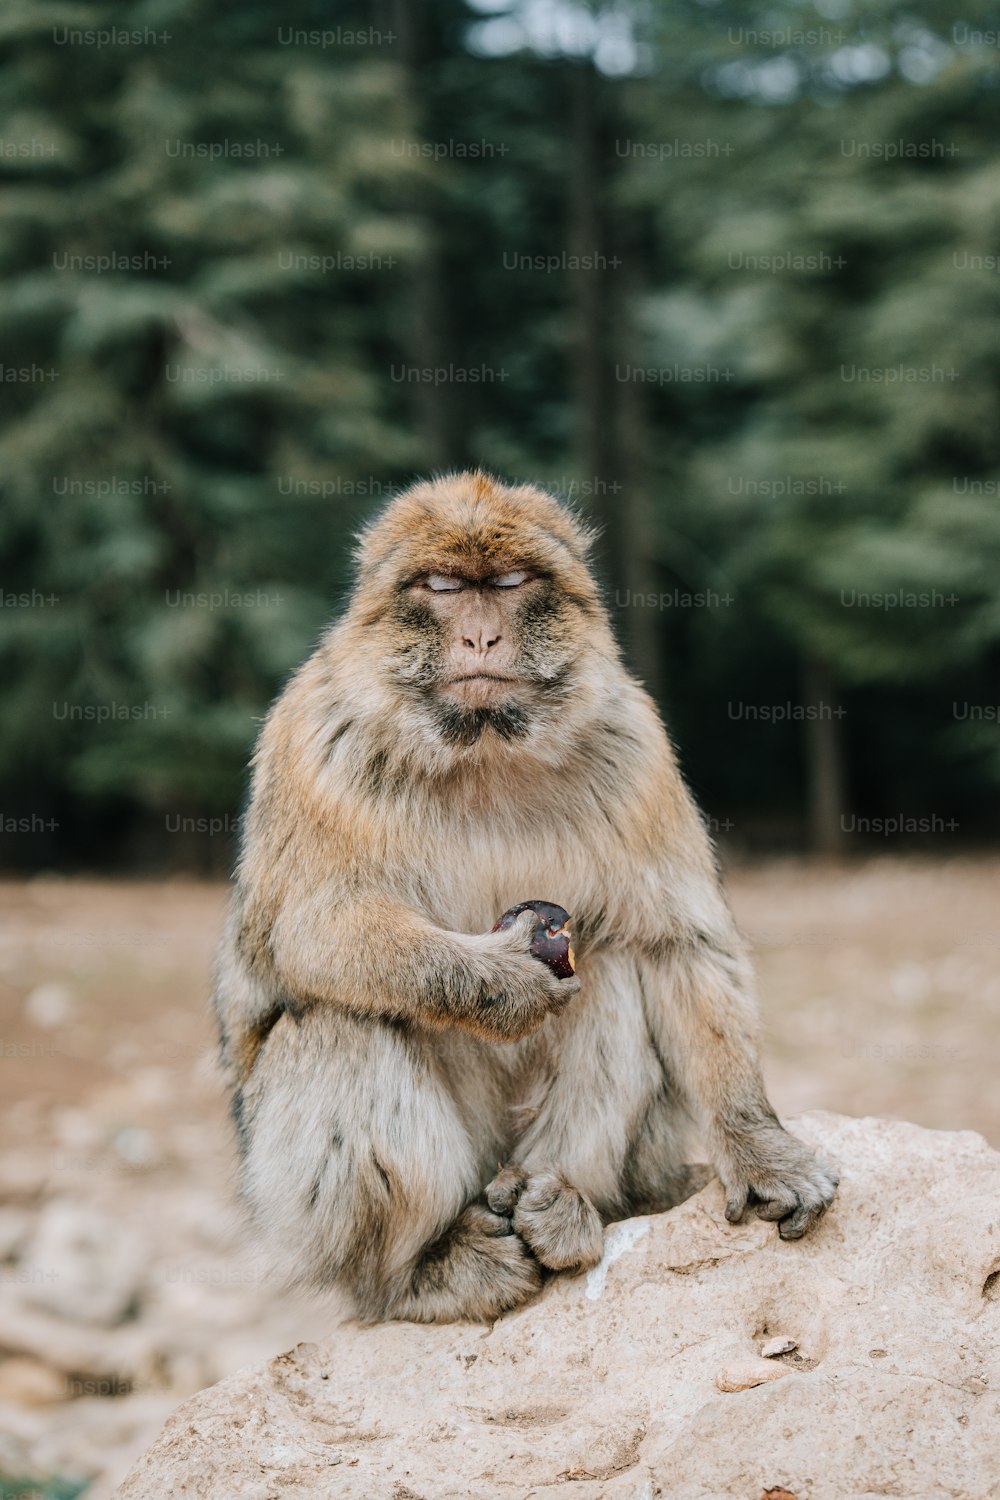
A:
(484, 1221)
(827, 1181)
(778, 1203)
(795, 1226)
(522, 930)
(736, 1205)
(804, 1217)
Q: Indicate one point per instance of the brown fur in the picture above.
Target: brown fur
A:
(386, 1050)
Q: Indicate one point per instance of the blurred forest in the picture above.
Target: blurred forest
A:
(723, 274)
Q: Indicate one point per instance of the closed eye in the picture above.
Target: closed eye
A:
(441, 583)
(510, 580)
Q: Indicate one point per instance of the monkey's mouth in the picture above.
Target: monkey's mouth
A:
(475, 690)
(479, 677)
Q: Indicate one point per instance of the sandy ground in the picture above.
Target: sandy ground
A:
(125, 1283)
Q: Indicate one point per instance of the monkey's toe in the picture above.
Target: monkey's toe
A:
(505, 1189)
(560, 1224)
(487, 1222)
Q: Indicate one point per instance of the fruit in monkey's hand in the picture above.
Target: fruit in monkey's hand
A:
(553, 941)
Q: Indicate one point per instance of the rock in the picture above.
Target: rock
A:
(776, 1347)
(30, 1383)
(23, 1176)
(50, 1005)
(86, 1446)
(607, 1382)
(88, 1355)
(744, 1374)
(15, 1230)
(81, 1265)
(137, 1147)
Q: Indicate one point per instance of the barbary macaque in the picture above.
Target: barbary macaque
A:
(428, 1116)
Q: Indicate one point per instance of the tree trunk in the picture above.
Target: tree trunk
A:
(595, 393)
(428, 338)
(824, 761)
(643, 626)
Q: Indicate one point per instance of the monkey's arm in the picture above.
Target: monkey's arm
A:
(698, 993)
(700, 989)
(379, 957)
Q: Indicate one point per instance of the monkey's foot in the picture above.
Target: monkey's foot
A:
(477, 1269)
(505, 1189)
(554, 1218)
(779, 1177)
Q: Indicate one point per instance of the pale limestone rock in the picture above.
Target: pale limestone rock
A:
(82, 1265)
(744, 1374)
(27, 1382)
(775, 1347)
(50, 1006)
(607, 1383)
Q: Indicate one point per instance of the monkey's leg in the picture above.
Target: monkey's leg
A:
(477, 1268)
(657, 1175)
(358, 1169)
(569, 1170)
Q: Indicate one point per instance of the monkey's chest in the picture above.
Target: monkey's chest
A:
(488, 871)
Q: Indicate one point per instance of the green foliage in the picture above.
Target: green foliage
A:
(225, 403)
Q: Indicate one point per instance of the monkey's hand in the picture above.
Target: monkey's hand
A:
(775, 1174)
(512, 993)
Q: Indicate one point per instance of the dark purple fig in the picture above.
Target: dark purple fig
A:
(553, 941)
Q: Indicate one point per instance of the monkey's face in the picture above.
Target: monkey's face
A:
(488, 651)
(478, 625)
(481, 609)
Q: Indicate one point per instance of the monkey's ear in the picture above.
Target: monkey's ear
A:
(587, 533)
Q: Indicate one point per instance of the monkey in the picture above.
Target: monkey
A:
(428, 1119)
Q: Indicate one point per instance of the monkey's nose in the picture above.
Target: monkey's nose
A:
(480, 642)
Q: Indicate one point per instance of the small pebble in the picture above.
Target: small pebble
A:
(743, 1375)
(28, 1382)
(774, 1347)
(50, 1005)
